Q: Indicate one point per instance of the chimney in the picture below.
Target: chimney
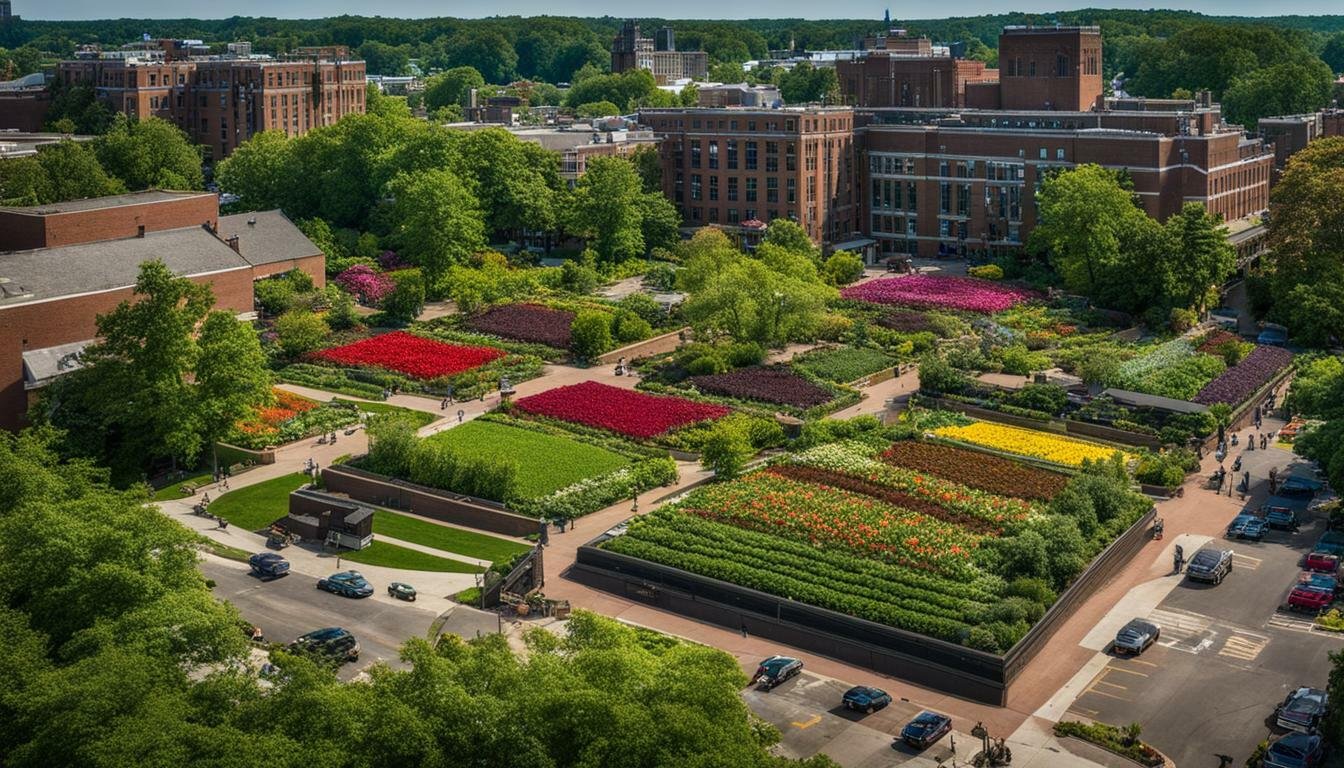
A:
(233, 243)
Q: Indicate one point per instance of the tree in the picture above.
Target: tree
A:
(590, 334)
(407, 299)
(726, 450)
(486, 51)
(1333, 53)
(843, 268)
(73, 172)
(517, 183)
(660, 223)
(791, 236)
(1288, 88)
(650, 168)
(452, 87)
(438, 221)
(1306, 235)
(748, 301)
(805, 84)
(229, 376)
(597, 109)
(75, 108)
(605, 209)
(258, 171)
(1200, 256)
(149, 153)
(300, 331)
(23, 181)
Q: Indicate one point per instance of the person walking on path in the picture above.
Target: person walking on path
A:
(1179, 558)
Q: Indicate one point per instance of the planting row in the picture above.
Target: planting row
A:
(976, 470)
(1056, 449)
(936, 292)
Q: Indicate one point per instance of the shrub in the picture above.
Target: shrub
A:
(578, 277)
(629, 327)
(936, 375)
(407, 297)
(340, 314)
(661, 276)
(645, 306)
(1182, 320)
(590, 335)
(1017, 359)
(1153, 470)
(727, 449)
(986, 272)
(299, 331)
(706, 365)
(843, 268)
(1047, 398)
(746, 354)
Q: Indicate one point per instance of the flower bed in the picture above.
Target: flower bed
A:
(410, 354)
(526, 322)
(1243, 379)
(1112, 739)
(906, 321)
(931, 291)
(1174, 369)
(976, 470)
(1215, 339)
(1028, 442)
(771, 385)
(366, 284)
(843, 364)
(619, 410)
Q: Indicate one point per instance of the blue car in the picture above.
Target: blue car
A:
(1300, 486)
(346, 584)
(1278, 516)
(925, 729)
(866, 699)
(1296, 750)
(1331, 543)
(268, 565)
(1273, 335)
(1246, 527)
(776, 670)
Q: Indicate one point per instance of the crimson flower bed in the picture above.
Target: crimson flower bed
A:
(1243, 379)
(410, 354)
(526, 322)
(933, 291)
(619, 410)
(772, 385)
(1215, 339)
(905, 321)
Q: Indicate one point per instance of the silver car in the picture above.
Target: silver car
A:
(1136, 636)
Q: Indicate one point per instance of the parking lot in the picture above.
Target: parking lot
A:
(1227, 653)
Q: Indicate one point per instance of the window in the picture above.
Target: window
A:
(772, 190)
(751, 125)
(732, 154)
(732, 189)
(695, 153)
(714, 214)
(944, 197)
(695, 186)
(751, 156)
(1059, 153)
(791, 195)
(963, 199)
(1061, 66)
(678, 189)
(910, 196)
(791, 156)
(713, 187)
(943, 168)
(732, 216)
(751, 190)
(1042, 153)
(713, 154)
(1031, 68)
(772, 157)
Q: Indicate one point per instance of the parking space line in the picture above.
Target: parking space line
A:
(811, 721)
(1140, 661)
(1084, 711)
(1107, 695)
(1113, 685)
(1243, 647)
(1131, 671)
(1246, 561)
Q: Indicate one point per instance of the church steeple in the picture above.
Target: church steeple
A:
(886, 18)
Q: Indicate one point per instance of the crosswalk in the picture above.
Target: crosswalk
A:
(1243, 646)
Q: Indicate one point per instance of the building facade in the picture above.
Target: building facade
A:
(727, 167)
(221, 101)
(659, 56)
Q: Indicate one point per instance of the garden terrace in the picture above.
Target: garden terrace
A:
(976, 469)
(623, 411)
(415, 356)
(526, 322)
(938, 292)
(1244, 379)
(843, 365)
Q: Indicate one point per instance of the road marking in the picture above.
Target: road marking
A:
(1107, 695)
(811, 721)
(1243, 647)
(1139, 661)
(1084, 711)
(1246, 561)
(1113, 685)
(1183, 631)
(1131, 671)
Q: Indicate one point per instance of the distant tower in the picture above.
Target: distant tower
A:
(886, 19)
(5, 12)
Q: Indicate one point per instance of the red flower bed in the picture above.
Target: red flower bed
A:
(1215, 339)
(526, 322)
(619, 410)
(410, 354)
(772, 385)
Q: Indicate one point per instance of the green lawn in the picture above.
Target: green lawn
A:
(420, 418)
(224, 550)
(843, 364)
(256, 506)
(455, 540)
(546, 463)
(393, 556)
(173, 491)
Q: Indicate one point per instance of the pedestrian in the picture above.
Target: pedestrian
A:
(443, 404)
(226, 483)
(744, 628)
(1179, 558)
(1264, 440)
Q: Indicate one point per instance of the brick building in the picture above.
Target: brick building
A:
(728, 166)
(24, 103)
(630, 50)
(73, 261)
(221, 101)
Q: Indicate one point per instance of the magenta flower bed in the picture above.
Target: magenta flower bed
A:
(619, 410)
(526, 322)
(905, 321)
(410, 354)
(366, 284)
(965, 293)
(772, 385)
(1242, 380)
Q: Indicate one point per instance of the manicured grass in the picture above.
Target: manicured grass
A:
(393, 556)
(455, 540)
(256, 506)
(843, 364)
(224, 550)
(173, 491)
(420, 418)
(547, 463)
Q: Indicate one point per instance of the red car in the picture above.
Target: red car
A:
(1322, 562)
(1308, 598)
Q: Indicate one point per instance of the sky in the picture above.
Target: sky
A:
(685, 9)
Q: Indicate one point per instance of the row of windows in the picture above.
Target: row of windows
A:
(750, 157)
(750, 189)
(908, 226)
(1000, 200)
(994, 170)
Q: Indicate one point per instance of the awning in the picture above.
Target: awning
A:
(1144, 400)
(42, 366)
(856, 244)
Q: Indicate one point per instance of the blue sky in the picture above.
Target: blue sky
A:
(687, 9)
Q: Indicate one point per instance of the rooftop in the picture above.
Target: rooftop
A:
(49, 273)
(96, 203)
(265, 237)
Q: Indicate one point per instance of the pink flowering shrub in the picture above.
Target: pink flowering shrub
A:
(366, 284)
(931, 291)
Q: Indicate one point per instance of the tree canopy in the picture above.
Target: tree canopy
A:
(149, 153)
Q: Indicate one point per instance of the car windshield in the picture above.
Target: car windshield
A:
(1205, 558)
(1307, 703)
(928, 718)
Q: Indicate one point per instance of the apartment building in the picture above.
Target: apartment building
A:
(658, 55)
(736, 168)
(222, 100)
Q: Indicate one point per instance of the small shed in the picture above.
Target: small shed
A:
(328, 518)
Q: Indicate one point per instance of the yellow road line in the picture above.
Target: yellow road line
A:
(1131, 671)
(1107, 695)
(808, 724)
(1141, 661)
(1113, 685)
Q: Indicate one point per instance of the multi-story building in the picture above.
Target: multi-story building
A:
(659, 56)
(730, 167)
(579, 143)
(62, 265)
(221, 101)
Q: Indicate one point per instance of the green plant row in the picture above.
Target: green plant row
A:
(1122, 741)
(446, 329)
(594, 493)
(328, 380)
(576, 432)
(843, 364)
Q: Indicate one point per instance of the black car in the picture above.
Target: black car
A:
(776, 670)
(925, 729)
(1302, 710)
(332, 643)
(268, 565)
(1296, 750)
(1136, 636)
(1209, 564)
(866, 699)
(1279, 516)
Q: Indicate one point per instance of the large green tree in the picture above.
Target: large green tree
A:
(437, 221)
(1287, 88)
(149, 153)
(259, 171)
(517, 183)
(606, 210)
(1195, 257)
(73, 172)
(452, 87)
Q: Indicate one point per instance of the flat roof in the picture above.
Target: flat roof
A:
(70, 270)
(1144, 400)
(111, 201)
(265, 237)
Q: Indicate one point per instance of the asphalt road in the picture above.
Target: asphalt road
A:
(292, 605)
(1227, 655)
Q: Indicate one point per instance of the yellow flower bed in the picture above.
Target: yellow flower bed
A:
(1028, 442)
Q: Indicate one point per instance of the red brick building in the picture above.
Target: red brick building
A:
(221, 101)
(80, 259)
(728, 166)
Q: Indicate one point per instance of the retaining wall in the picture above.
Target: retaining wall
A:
(427, 502)
(656, 345)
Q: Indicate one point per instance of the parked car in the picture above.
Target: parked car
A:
(1300, 486)
(1281, 517)
(1246, 527)
(1272, 334)
(332, 642)
(1322, 562)
(1296, 750)
(1330, 543)
(1209, 564)
(776, 670)
(346, 584)
(1136, 636)
(1226, 318)
(268, 565)
(865, 698)
(1310, 598)
(1327, 581)
(1302, 710)
(401, 591)
(925, 729)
